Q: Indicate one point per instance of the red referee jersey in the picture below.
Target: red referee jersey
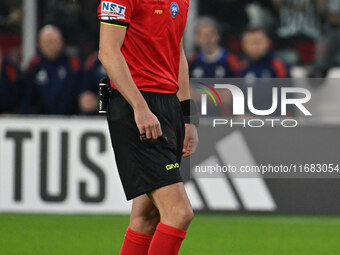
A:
(152, 43)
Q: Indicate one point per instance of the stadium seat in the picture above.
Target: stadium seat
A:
(298, 72)
(325, 99)
(334, 73)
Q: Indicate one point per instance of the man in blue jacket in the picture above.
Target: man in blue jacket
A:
(212, 61)
(93, 72)
(53, 81)
(261, 63)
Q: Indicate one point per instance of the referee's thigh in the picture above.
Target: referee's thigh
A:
(173, 205)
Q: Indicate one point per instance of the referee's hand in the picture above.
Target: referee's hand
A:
(147, 124)
(190, 140)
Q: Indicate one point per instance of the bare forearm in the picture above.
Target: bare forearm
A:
(183, 78)
(118, 71)
(110, 55)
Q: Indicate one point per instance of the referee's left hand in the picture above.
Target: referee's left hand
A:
(190, 140)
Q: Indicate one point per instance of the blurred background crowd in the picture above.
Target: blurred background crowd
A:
(227, 39)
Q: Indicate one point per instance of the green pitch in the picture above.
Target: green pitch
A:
(208, 235)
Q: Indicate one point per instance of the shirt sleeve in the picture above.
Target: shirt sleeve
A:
(116, 12)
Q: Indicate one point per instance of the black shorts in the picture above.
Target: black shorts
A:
(146, 166)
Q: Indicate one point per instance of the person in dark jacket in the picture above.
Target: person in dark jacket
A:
(9, 87)
(94, 72)
(261, 63)
(212, 61)
(53, 77)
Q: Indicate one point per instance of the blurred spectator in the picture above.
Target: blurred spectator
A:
(53, 80)
(332, 9)
(261, 14)
(299, 17)
(9, 86)
(94, 71)
(10, 15)
(299, 28)
(328, 51)
(235, 15)
(79, 24)
(212, 61)
(261, 63)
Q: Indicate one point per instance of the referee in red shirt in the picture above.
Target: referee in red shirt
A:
(151, 117)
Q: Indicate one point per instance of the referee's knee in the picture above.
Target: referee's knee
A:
(179, 216)
(185, 214)
(145, 223)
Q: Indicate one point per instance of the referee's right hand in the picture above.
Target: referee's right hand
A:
(148, 124)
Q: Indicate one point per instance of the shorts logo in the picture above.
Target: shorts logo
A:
(172, 166)
(112, 11)
(174, 9)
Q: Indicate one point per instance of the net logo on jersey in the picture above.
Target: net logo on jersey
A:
(174, 9)
(112, 11)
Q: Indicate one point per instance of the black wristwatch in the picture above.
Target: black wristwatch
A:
(190, 113)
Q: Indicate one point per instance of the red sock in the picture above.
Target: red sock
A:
(135, 243)
(166, 240)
